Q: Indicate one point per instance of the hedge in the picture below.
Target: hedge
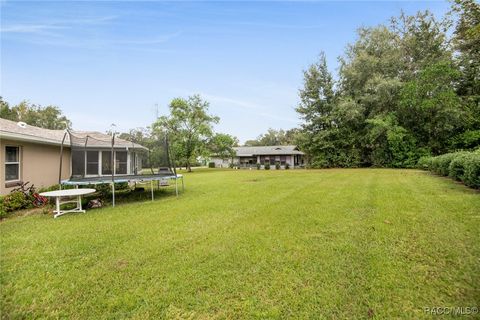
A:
(462, 166)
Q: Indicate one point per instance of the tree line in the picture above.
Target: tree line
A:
(404, 90)
(49, 117)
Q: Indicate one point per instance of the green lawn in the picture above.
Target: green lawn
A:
(331, 244)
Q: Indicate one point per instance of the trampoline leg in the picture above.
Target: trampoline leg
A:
(113, 194)
(176, 186)
(151, 187)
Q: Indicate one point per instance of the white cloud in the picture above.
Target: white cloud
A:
(29, 28)
(254, 108)
(53, 25)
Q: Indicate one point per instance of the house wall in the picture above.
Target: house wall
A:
(221, 163)
(288, 159)
(39, 164)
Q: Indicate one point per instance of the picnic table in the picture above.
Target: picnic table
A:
(69, 194)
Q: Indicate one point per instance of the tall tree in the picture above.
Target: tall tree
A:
(397, 94)
(466, 42)
(221, 145)
(430, 108)
(189, 127)
(49, 117)
(274, 137)
(316, 108)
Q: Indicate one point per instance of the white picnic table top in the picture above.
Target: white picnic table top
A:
(58, 194)
(67, 192)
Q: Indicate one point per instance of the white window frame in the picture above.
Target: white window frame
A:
(18, 162)
(100, 171)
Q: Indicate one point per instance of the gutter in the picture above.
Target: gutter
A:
(28, 138)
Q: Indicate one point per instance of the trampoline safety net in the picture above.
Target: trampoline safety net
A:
(100, 158)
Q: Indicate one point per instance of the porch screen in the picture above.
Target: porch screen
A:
(92, 162)
(106, 162)
(78, 163)
(95, 155)
(121, 162)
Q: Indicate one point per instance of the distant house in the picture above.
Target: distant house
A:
(251, 156)
(32, 154)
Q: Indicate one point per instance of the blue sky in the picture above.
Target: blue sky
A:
(105, 62)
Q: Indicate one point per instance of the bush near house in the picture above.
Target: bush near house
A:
(462, 166)
(15, 201)
(266, 166)
(277, 166)
(3, 212)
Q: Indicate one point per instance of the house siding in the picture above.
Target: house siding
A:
(39, 163)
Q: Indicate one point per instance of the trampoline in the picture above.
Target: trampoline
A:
(98, 158)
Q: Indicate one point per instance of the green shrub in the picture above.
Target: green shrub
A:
(3, 211)
(277, 166)
(15, 201)
(441, 164)
(211, 164)
(266, 166)
(54, 188)
(287, 166)
(231, 165)
(457, 166)
(424, 163)
(471, 175)
(104, 190)
(259, 166)
(463, 166)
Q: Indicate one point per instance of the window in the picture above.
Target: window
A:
(121, 162)
(283, 160)
(12, 163)
(106, 162)
(92, 162)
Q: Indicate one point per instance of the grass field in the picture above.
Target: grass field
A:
(327, 244)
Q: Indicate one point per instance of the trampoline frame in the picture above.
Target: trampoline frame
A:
(112, 179)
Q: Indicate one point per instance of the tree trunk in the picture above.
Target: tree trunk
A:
(189, 168)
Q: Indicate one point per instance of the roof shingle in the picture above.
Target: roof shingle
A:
(13, 130)
(266, 150)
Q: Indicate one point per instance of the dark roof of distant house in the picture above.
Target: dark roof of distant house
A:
(266, 150)
(24, 132)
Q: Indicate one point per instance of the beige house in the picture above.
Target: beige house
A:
(248, 157)
(32, 154)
